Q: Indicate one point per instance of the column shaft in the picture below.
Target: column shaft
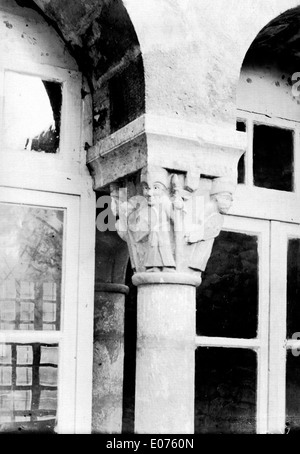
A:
(108, 358)
(165, 364)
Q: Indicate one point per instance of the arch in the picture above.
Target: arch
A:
(275, 51)
(268, 103)
(273, 45)
(102, 38)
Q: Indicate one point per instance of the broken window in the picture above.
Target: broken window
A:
(32, 113)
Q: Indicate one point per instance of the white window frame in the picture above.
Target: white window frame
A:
(271, 344)
(58, 180)
(253, 118)
(280, 235)
(70, 395)
(261, 230)
(68, 156)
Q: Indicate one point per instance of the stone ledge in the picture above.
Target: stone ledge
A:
(208, 149)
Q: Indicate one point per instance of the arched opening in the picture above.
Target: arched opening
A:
(268, 96)
(101, 37)
(247, 306)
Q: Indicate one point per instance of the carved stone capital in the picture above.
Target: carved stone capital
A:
(171, 222)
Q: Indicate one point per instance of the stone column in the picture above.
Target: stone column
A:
(108, 358)
(165, 362)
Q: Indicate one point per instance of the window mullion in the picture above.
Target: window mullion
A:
(277, 336)
(263, 329)
(249, 153)
(296, 160)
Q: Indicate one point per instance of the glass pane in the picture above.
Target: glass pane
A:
(227, 300)
(28, 387)
(30, 267)
(32, 113)
(293, 288)
(273, 157)
(293, 391)
(225, 391)
(241, 126)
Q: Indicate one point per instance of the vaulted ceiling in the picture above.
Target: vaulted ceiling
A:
(280, 40)
(99, 33)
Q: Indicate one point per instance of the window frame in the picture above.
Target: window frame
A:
(255, 118)
(279, 344)
(271, 344)
(260, 229)
(71, 81)
(68, 391)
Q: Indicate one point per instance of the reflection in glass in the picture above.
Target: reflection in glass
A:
(293, 392)
(225, 391)
(293, 288)
(32, 113)
(273, 158)
(28, 387)
(24, 376)
(227, 300)
(30, 267)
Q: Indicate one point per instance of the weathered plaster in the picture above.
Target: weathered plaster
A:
(268, 91)
(194, 52)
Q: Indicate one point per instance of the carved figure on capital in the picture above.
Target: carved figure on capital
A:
(168, 228)
(131, 223)
(160, 254)
(200, 241)
(146, 222)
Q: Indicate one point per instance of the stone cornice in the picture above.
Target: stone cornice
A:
(168, 127)
(179, 145)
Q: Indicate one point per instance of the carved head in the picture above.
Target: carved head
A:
(154, 192)
(155, 183)
(222, 191)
